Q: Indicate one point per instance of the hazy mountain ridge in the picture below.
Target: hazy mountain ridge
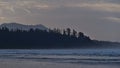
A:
(14, 26)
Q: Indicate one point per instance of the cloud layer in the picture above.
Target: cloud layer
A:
(99, 19)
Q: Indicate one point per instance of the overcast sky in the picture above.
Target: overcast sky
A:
(99, 19)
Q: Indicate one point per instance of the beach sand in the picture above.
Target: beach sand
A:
(13, 63)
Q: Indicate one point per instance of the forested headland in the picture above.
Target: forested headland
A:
(47, 39)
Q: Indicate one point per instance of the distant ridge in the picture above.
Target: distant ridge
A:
(14, 26)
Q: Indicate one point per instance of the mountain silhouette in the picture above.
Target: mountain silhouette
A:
(15, 26)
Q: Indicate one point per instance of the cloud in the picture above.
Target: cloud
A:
(32, 4)
(5, 19)
(7, 6)
(21, 5)
(114, 19)
(110, 7)
(2, 18)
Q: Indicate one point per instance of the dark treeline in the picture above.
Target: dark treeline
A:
(38, 39)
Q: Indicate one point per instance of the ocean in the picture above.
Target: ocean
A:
(73, 56)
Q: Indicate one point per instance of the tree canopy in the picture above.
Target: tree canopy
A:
(36, 38)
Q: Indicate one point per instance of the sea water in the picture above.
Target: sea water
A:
(85, 56)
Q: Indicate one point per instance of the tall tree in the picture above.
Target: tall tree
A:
(64, 32)
(68, 31)
(74, 33)
(81, 35)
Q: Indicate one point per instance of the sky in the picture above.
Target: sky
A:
(99, 19)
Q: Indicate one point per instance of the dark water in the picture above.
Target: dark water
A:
(85, 56)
